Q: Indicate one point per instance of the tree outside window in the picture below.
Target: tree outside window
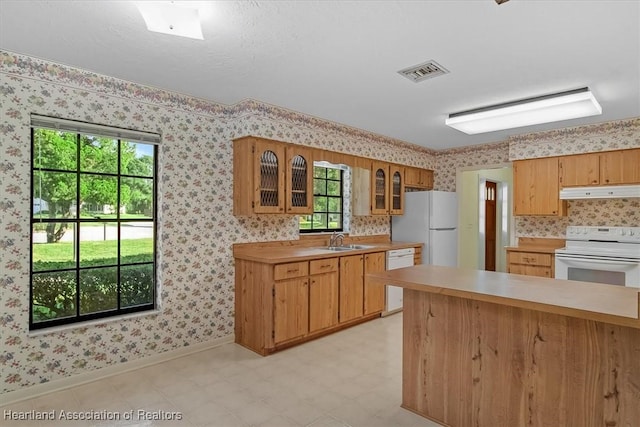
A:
(93, 227)
(327, 201)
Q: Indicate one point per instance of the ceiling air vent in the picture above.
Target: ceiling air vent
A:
(421, 72)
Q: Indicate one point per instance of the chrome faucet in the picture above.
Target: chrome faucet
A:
(333, 241)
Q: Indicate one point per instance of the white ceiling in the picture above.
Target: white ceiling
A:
(338, 60)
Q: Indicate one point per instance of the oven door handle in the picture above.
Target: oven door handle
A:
(597, 261)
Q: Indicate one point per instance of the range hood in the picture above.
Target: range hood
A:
(601, 192)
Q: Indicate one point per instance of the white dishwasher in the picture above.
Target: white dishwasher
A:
(397, 258)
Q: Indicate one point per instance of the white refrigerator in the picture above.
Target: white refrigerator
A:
(431, 218)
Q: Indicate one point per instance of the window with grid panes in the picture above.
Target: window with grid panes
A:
(93, 222)
(327, 202)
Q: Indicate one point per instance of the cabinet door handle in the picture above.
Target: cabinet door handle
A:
(293, 271)
(325, 266)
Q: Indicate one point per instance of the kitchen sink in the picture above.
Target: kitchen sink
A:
(347, 247)
(339, 248)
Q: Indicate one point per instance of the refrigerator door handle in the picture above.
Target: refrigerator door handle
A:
(442, 229)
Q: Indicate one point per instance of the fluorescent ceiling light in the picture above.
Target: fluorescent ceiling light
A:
(532, 111)
(178, 18)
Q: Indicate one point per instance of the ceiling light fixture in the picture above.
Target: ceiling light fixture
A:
(567, 105)
(178, 18)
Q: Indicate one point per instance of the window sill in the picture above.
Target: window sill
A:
(64, 328)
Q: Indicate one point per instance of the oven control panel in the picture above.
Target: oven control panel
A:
(604, 234)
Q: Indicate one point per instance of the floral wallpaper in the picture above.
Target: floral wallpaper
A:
(196, 225)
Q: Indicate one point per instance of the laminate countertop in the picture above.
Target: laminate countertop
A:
(592, 301)
(533, 249)
(278, 255)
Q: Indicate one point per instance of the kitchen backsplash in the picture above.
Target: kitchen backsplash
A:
(610, 212)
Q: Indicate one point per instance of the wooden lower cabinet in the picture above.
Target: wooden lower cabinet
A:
(417, 256)
(531, 263)
(351, 287)
(374, 294)
(281, 305)
(323, 294)
(290, 312)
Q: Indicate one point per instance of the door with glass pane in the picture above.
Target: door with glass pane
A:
(380, 188)
(396, 190)
(269, 164)
(299, 176)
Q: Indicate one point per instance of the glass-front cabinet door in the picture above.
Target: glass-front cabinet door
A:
(299, 188)
(269, 177)
(396, 190)
(380, 188)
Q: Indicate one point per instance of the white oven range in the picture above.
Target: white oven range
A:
(609, 255)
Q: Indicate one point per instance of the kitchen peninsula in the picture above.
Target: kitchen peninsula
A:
(495, 349)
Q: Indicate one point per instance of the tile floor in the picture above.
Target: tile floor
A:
(351, 378)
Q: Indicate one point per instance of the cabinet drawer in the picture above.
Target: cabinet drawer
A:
(319, 266)
(530, 258)
(291, 270)
(530, 270)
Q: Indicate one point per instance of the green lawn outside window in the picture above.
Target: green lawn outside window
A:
(93, 227)
(327, 202)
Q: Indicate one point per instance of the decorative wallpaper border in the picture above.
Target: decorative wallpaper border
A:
(62, 74)
(473, 149)
(605, 136)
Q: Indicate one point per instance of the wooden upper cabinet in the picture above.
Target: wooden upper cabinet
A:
(299, 180)
(271, 177)
(604, 168)
(396, 190)
(580, 170)
(620, 167)
(379, 188)
(258, 176)
(536, 187)
(418, 178)
(269, 173)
